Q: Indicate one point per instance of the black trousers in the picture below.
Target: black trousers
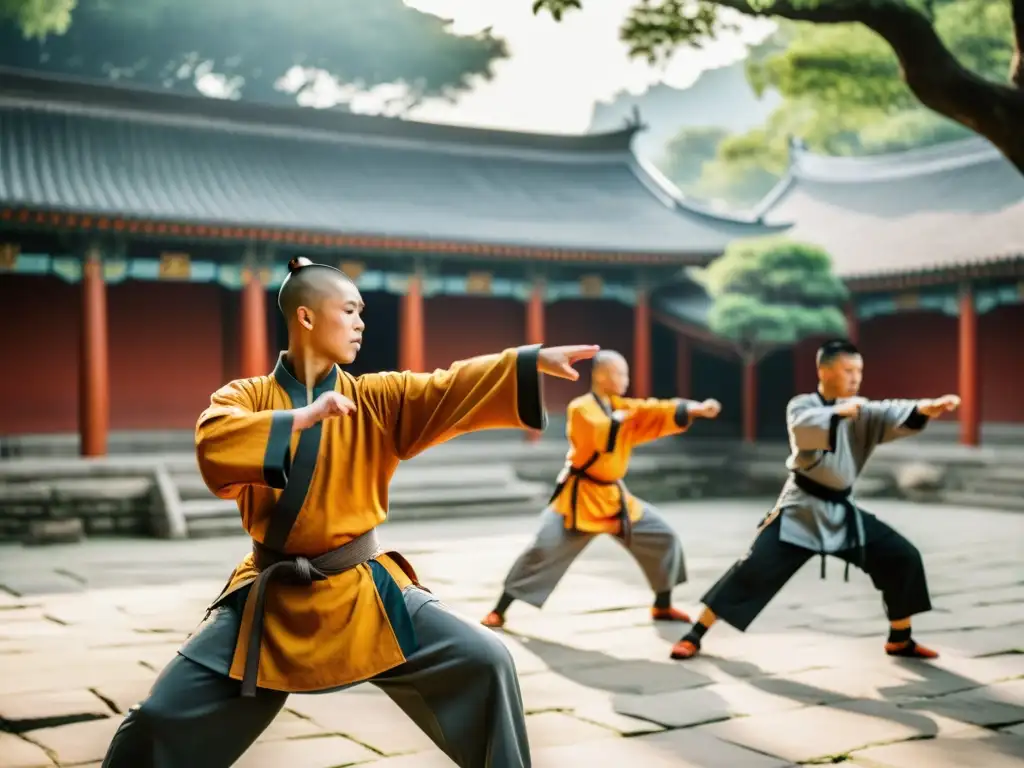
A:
(892, 562)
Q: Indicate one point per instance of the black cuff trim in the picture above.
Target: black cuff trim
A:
(528, 386)
(916, 420)
(682, 416)
(613, 433)
(277, 459)
(833, 432)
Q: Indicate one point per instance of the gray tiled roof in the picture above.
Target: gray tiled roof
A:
(951, 205)
(111, 150)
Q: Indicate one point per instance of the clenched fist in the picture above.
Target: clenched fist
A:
(328, 405)
(851, 408)
(938, 406)
(708, 409)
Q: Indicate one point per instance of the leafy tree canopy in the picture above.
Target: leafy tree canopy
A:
(773, 291)
(251, 43)
(841, 72)
(844, 96)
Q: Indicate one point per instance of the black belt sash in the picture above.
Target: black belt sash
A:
(852, 521)
(573, 475)
(296, 569)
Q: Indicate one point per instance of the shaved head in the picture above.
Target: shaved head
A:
(323, 308)
(307, 284)
(610, 373)
(608, 357)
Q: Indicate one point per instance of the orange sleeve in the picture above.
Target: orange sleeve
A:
(651, 419)
(487, 392)
(237, 445)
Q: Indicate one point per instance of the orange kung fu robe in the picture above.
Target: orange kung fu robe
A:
(590, 493)
(307, 493)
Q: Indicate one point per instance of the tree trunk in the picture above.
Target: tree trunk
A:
(749, 398)
(940, 82)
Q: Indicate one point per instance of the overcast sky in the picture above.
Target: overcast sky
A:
(556, 71)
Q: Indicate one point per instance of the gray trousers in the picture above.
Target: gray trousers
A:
(535, 574)
(460, 688)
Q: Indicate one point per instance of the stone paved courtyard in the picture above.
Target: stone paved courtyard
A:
(85, 629)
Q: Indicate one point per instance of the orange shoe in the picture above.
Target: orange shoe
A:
(494, 620)
(910, 650)
(670, 614)
(684, 649)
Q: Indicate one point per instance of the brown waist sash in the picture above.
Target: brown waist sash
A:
(296, 569)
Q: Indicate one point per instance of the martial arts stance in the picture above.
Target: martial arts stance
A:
(590, 497)
(832, 433)
(318, 606)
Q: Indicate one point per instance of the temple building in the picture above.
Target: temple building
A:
(931, 243)
(143, 235)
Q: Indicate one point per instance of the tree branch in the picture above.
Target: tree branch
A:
(933, 74)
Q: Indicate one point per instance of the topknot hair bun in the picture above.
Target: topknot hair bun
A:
(298, 263)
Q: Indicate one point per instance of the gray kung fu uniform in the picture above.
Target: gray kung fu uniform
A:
(537, 571)
(814, 514)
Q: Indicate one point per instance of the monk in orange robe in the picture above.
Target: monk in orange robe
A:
(308, 453)
(590, 497)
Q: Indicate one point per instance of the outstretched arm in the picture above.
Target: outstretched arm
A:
(882, 421)
(646, 420)
(486, 392)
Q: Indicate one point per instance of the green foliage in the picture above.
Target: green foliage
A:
(35, 19)
(688, 151)
(773, 291)
(165, 43)
(841, 83)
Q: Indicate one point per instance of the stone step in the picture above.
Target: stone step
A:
(1013, 502)
(999, 485)
(999, 472)
(220, 518)
(480, 479)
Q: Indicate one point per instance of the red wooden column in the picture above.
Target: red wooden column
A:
(253, 327)
(411, 333)
(852, 323)
(749, 402)
(684, 383)
(94, 368)
(970, 405)
(535, 331)
(641, 373)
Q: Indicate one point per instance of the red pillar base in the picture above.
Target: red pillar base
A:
(970, 406)
(411, 336)
(535, 333)
(94, 385)
(641, 373)
(255, 352)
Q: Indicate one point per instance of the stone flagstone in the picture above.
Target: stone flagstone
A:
(981, 748)
(19, 753)
(809, 681)
(815, 733)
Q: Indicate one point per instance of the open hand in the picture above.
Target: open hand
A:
(559, 361)
(938, 406)
(851, 408)
(328, 405)
(708, 409)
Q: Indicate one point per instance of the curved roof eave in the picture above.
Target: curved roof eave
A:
(662, 188)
